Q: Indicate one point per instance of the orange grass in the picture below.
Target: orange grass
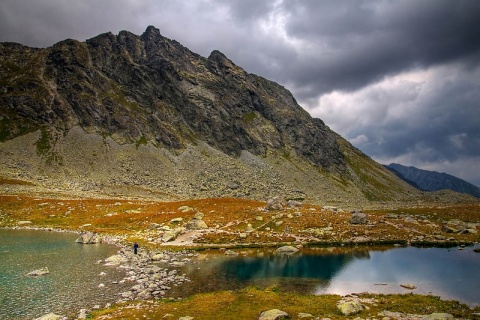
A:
(230, 216)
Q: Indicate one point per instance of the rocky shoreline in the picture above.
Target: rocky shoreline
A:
(151, 273)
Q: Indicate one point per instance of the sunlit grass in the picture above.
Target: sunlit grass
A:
(250, 302)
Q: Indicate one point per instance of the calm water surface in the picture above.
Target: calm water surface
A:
(72, 283)
(449, 273)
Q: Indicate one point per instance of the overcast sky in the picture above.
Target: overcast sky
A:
(398, 79)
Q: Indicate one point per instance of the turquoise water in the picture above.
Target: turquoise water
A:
(448, 273)
(72, 283)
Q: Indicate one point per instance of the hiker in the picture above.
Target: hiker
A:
(135, 248)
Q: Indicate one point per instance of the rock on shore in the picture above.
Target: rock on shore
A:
(150, 280)
(88, 238)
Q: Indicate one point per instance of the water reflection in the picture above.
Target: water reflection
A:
(449, 273)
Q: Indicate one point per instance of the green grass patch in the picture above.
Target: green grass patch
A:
(142, 141)
(249, 116)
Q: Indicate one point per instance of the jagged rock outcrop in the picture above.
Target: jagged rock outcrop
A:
(128, 113)
(152, 88)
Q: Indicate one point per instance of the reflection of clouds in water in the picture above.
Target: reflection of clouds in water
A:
(450, 274)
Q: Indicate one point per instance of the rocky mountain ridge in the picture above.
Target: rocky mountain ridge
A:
(432, 180)
(143, 115)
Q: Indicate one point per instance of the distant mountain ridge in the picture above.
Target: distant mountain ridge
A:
(432, 180)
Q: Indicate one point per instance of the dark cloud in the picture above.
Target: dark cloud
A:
(399, 79)
(425, 118)
(43, 23)
(360, 42)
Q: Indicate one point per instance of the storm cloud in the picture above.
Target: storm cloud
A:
(398, 79)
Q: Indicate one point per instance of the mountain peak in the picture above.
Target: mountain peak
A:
(151, 33)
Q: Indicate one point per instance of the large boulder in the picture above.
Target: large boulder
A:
(172, 234)
(294, 203)
(197, 222)
(273, 314)
(348, 308)
(185, 209)
(199, 215)
(457, 226)
(276, 203)
(359, 218)
(88, 238)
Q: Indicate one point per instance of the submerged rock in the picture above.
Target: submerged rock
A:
(286, 249)
(38, 272)
(408, 286)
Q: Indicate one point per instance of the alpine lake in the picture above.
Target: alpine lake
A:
(75, 277)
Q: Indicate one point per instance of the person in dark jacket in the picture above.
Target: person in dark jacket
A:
(135, 248)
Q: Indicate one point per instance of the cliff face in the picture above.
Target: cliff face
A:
(113, 92)
(153, 88)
